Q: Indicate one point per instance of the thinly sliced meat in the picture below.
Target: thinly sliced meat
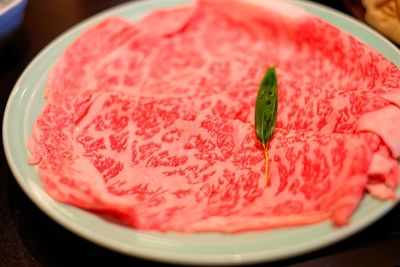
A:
(318, 91)
(173, 22)
(66, 175)
(83, 55)
(383, 166)
(393, 97)
(383, 175)
(155, 124)
(383, 123)
(166, 161)
(324, 47)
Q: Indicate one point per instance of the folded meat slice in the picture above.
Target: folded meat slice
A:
(383, 175)
(384, 169)
(60, 165)
(185, 171)
(384, 122)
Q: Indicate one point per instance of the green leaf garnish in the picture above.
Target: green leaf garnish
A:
(266, 111)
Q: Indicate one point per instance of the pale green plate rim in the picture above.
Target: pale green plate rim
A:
(26, 101)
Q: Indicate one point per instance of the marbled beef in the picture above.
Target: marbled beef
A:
(152, 121)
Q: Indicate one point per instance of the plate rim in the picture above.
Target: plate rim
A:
(169, 257)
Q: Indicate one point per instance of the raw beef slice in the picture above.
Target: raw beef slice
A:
(186, 171)
(155, 124)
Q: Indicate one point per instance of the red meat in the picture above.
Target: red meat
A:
(152, 121)
(187, 171)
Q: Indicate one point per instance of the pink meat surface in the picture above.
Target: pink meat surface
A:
(188, 171)
(152, 121)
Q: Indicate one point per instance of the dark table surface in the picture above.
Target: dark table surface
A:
(29, 238)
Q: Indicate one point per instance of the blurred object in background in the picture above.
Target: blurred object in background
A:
(11, 17)
(355, 8)
(384, 15)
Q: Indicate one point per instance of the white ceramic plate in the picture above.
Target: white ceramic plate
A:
(26, 102)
